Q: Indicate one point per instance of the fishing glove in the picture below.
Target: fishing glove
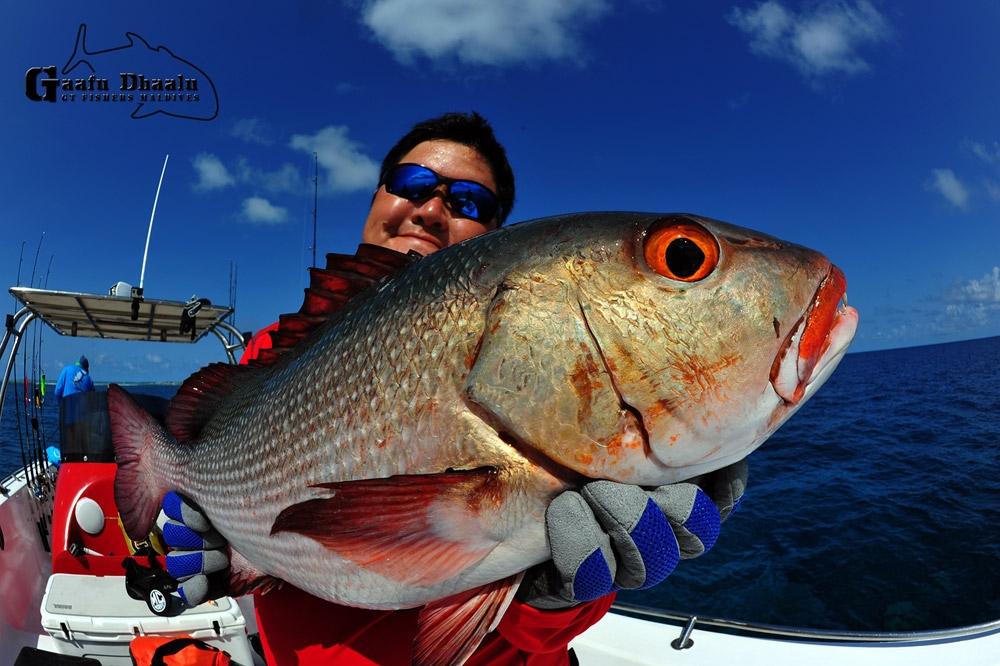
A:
(611, 536)
(196, 549)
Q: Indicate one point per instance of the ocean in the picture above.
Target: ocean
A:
(875, 508)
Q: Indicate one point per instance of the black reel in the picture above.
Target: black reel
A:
(153, 585)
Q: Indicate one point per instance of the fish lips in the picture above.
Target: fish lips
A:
(819, 338)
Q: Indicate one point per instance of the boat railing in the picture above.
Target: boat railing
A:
(688, 622)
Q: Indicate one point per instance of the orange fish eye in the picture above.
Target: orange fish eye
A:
(681, 251)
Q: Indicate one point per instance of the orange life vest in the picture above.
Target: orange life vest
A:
(177, 651)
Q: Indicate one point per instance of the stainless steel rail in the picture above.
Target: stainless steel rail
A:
(689, 622)
(17, 333)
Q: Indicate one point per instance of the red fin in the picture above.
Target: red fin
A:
(199, 396)
(245, 578)
(398, 526)
(135, 434)
(329, 289)
(450, 630)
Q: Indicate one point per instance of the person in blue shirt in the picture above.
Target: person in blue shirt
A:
(74, 379)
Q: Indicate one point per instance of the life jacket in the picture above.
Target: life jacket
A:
(176, 651)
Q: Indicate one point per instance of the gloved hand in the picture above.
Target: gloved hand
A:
(611, 536)
(196, 549)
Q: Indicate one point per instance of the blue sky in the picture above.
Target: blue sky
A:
(866, 130)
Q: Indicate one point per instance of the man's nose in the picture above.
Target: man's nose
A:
(433, 212)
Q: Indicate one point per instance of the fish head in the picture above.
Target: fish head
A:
(712, 335)
(686, 344)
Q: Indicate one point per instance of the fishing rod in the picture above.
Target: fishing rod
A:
(315, 201)
(38, 388)
(28, 420)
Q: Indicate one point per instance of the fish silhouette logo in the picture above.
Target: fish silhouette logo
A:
(155, 77)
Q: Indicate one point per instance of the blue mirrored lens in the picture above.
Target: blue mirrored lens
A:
(472, 200)
(411, 181)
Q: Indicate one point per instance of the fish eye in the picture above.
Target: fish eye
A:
(681, 251)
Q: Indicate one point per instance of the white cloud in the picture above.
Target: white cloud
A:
(261, 211)
(346, 168)
(992, 189)
(285, 180)
(982, 290)
(950, 187)
(818, 41)
(492, 33)
(212, 173)
(975, 302)
(988, 154)
(252, 130)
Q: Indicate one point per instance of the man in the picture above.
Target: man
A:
(74, 379)
(446, 181)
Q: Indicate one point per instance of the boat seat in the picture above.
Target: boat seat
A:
(87, 536)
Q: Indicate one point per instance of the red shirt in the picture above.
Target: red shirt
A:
(298, 628)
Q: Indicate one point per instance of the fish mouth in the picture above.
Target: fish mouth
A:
(819, 339)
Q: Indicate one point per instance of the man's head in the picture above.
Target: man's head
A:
(84, 363)
(454, 146)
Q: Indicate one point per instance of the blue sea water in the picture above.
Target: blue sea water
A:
(876, 507)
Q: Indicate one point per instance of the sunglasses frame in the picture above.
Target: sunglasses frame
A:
(447, 182)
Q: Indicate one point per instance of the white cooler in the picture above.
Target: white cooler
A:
(93, 616)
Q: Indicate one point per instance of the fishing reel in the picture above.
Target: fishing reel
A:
(189, 314)
(154, 586)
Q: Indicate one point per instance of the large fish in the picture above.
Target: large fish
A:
(406, 450)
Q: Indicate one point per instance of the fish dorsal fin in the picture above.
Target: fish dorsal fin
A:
(199, 396)
(345, 276)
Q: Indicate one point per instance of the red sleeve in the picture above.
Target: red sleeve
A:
(260, 341)
(527, 635)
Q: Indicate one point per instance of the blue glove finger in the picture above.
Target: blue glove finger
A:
(693, 516)
(193, 590)
(642, 539)
(181, 509)
(182, 565)
(581, 551)
(179, 536)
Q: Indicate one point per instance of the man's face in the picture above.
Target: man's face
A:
(429, 225)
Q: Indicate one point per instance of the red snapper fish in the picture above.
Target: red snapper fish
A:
(399, 446)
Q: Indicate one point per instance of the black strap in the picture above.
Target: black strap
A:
(175, 646)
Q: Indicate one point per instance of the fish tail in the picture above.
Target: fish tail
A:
(137, 437)
(79, 50)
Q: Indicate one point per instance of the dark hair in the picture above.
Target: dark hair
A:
(469, 129)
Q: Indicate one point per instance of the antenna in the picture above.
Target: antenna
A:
(315, 200)
(149, 232)
(137, 291)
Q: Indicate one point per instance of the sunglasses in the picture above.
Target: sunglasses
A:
(465, 198)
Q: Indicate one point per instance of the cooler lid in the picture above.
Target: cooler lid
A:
(78, 599)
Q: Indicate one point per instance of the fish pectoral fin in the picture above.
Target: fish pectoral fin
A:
(415, 529)
(450, 630)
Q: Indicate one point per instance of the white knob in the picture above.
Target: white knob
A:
(89, 516)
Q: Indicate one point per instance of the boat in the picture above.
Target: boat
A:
(63, 553)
